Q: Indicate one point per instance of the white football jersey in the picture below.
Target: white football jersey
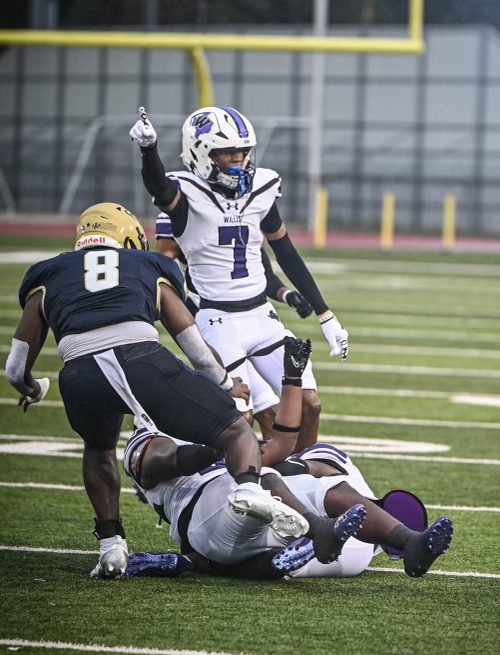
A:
(173, 496)
(222, 240)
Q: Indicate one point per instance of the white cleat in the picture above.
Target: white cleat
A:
(113, 558)
(252, 500)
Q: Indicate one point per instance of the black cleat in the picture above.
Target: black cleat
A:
(423, 549)
(328, 543)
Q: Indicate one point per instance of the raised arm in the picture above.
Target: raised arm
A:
(288, 418)
(164, 191)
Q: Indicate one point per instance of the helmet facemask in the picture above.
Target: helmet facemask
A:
(233, 180)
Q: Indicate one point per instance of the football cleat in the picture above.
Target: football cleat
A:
(294, 556)
(252, 500)
(328, 543)
(423, 549)
(113, 558)
(165, 565)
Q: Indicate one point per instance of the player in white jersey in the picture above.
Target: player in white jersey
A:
(264, 399)
(231, 533)
(218, 540)
(221, 209)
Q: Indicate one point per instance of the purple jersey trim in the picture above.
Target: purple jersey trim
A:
(164, 227)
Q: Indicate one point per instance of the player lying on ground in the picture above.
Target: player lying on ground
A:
(221, 209)
(101, 302)
(218, 540)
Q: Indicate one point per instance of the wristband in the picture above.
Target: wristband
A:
(327, 318)
(292, 382)
(284, 428)
(227, 383)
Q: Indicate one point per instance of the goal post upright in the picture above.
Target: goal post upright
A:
(198, 43)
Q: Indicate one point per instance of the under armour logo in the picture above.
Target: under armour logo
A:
(214, 320)
(274, 315)
(231, 205)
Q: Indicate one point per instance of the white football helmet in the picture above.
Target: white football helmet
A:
(219, 128)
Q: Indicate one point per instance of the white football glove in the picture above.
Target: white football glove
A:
(336, 336)
(25, 401)
(143, 132)
(113, 558)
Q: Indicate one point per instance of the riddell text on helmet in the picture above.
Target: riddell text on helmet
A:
(91, 241)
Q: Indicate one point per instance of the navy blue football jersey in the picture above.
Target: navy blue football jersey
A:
(92, 288)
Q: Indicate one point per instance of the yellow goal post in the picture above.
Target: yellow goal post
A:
(197, 43)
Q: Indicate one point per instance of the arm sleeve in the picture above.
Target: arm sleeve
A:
(273, 281)
(295, 269)
(272, 220)
(163, 189)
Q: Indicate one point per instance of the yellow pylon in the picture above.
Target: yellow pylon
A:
(387, 222)
(449, 221)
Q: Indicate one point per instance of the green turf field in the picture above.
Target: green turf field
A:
(417, 406)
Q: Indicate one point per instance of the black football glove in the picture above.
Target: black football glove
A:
(295, 299)
(297, 353)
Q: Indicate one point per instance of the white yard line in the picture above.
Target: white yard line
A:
(443, 460)
(367, 447)
(379, 569)
(14, 644)
(373, 368)
(408, 370)
(470, 399)
(411, 318)
(398, 351)
(305, 329)
(55, 551)
(26, 256)
(452, 396)
(397, 282)
(410, 421)
(53, 487)
(328, 267)
(459, 508)
(45, 403)
(128, 490)
(378, 391)
(492, 401)
(453, 574)
(29, 437)
(413, 458)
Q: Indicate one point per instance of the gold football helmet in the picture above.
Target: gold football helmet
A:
(111, 225)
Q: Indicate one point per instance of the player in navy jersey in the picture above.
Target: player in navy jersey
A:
(101, 302)
(221, 209)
